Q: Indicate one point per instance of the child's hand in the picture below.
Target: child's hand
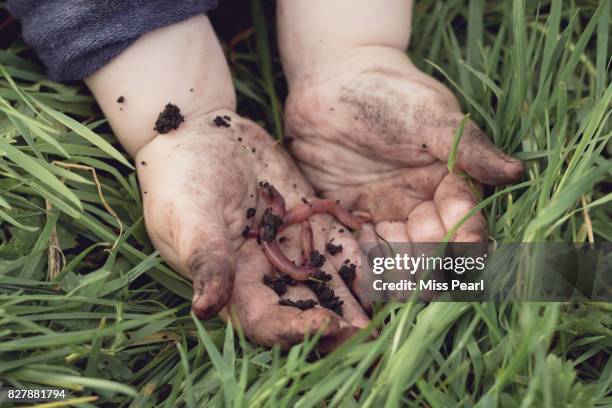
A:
(376, 133)
(198, 183)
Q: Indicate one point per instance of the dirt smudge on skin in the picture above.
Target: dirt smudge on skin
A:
(377, 113)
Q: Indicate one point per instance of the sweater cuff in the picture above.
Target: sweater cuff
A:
(74, 38)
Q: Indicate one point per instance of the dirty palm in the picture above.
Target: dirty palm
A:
(365, 124)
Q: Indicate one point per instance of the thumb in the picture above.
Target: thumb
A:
(209, 260)
(476, 155)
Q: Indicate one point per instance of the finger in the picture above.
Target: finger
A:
(206, 253)
(367, 235)
(454, 198)
(352, 311)
(476, 155)
(423, 227)
(392, 231)
(424, 224)
(395, 232)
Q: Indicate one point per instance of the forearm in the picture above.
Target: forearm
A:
(182, 64)
(317, 32)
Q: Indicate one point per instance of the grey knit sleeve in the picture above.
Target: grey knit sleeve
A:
(74, 38)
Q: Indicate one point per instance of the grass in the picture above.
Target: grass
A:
(112, 323)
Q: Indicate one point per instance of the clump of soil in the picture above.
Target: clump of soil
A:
(322, 276)
(121, 99)
(300, 304)
(245, 231)
(326, 295)
(318, 284)
(347, 272)
(270, 223)
(278, 284)
(250, 213)
(316, 259)
(222, 121)
(333, 249)
(169, 119)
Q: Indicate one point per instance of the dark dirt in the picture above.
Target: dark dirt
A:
(322, 276)
(143, 163)
(333, 249)
(341, 230)
(283, 239)
(270, 223)
(120, 99)
(300, 304)
(326, 295)
(221, 121)
(246, 231)
(377, 114)
(279, 285)
(316, 259)
(250, 213)
(169, 119)
(347, 272)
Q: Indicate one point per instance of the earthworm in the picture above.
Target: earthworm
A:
(304, 211)
(307, 240)
(280, 261)
(273, 199)
(280, 219)
(276, 205)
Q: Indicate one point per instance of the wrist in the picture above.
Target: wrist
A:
(350, 61)
(181, 64)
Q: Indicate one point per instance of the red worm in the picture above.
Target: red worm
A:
(300, 213)
(276, 203)
(272, 198)
(280, 261)
(304, 211)
(307, 241)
